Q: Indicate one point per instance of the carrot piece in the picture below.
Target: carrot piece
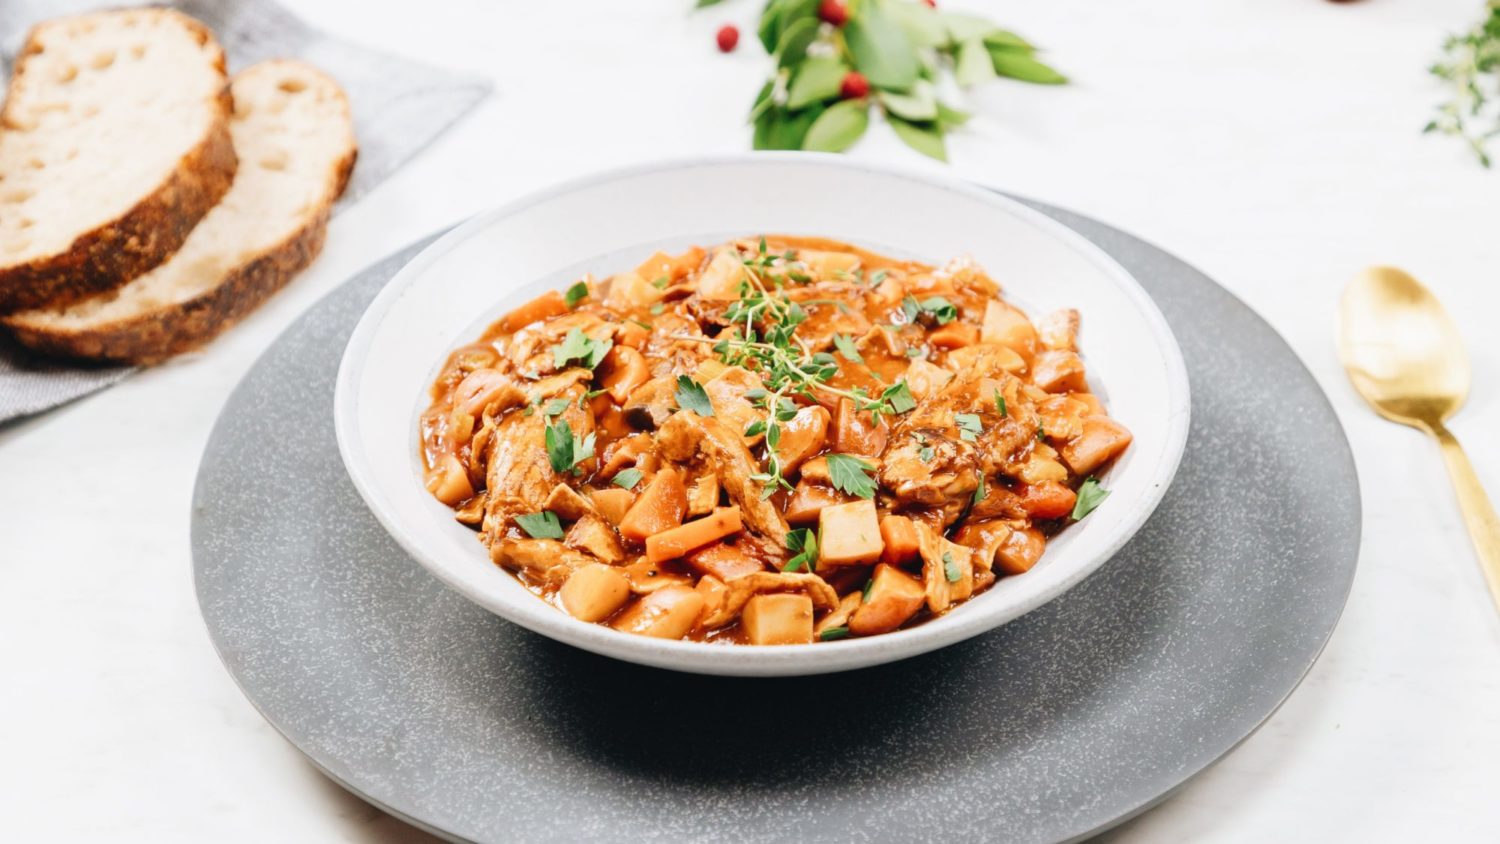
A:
(671, 544)
(549, 304)
(954, 335)
(631, 335)
(1048, 500)
(659, 508)
(900, 537)
(723, 561)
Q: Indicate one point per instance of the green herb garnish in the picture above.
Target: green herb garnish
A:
(627, 478)
(846, 347)
(1471, 65)
(1090, 496)
(968, 425)
(1000, 404)
(555, 407)
(804, 544)
(833, 633)
(582, 348)
(950, 568)
(577, 293)
(543, 525)
(564, 450)
(691, 396)
(850, 474)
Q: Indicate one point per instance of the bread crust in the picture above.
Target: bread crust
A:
(165, 332)
(111, 255)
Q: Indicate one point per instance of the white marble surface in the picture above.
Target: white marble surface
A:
(1271, 142)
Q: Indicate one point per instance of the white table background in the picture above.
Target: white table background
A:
(1273, 143)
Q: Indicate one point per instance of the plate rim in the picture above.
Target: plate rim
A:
(782, 660)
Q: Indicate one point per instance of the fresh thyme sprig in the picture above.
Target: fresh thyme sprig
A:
(1472, 67)
(762, 337)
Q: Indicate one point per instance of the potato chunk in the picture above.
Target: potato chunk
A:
(849, 534)
(594, 592)
(720, 280)
(1008, 327)
(1101, 440)
(895, 597)
(630, 290)
(1059, 372)
(664, 614)
(802, 437)
(778, 619)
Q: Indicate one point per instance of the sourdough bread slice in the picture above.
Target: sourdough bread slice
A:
(293, 133)
(114, 142)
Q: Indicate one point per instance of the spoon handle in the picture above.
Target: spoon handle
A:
(1479, 514)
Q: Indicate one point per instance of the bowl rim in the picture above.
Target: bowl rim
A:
(761, 660)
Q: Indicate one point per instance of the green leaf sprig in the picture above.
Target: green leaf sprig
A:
(565, 450)
(1471, 66)
(762, 337)
(1090, 496)
(889, 55)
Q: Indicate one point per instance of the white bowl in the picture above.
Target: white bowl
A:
(605, 223)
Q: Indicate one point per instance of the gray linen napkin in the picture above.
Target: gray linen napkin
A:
(399, 105)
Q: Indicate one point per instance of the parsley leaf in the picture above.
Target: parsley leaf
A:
(968, 425)
(564, 450)
(1090, 495)
(580, 347)
(950, 568)
(899, 397)
(911, 307)
(656, 309)
(577, 293)
(846, 347)
(925, 453)
(865, 593)
(543, 525)
(848, 474)
(941, 309)
(833, 633)
(804, 543)
(1000, 404)
(554, 407)
(691, 396)
(980, 492)
(627, 478)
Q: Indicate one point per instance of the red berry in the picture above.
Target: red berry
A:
(932, 3)
(855, 85)
(729, 37)
(833, 12)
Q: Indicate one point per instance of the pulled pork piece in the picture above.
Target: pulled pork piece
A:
(947, 569)
(545, 560)
(740, 590)
(686, 435)
(593, 535)
(519, 477)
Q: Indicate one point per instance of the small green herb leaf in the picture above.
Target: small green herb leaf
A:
(554, 407)
(804, 544)
(845, 344)
(969, 425)
(627, 478)
(582, 348)
(941, 309)
(792, 46)
(1006, 39)
(925, 452)
(850, 474)
(899, 397)
(543, 525)
(865, 593)
(981, 492)
(950, 568)
(1090, 496)
(950, 116)
(833, 633)
(577, 293)
(564, 450)
(691, 396)
(1000, 404)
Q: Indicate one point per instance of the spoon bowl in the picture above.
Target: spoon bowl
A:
(1401, 349)
(1405, 357)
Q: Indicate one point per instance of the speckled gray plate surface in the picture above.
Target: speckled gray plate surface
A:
(1055, 726)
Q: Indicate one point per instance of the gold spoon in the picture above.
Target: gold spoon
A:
(1405, 357)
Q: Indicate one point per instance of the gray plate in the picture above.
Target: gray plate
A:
(1057, 725)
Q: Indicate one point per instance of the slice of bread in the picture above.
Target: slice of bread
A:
(114, 142)
(295, 140)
